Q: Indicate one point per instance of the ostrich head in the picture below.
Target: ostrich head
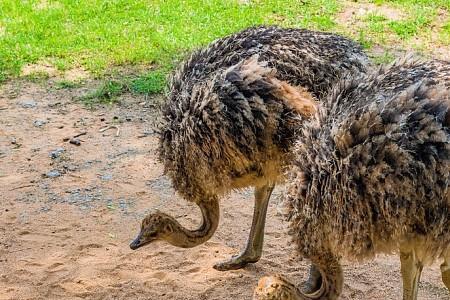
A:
(155, 226)
(160, 226)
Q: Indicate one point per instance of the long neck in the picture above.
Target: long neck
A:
(185, 238)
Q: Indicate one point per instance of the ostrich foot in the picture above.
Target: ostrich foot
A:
(275, 287)
(253, 249)
(237, 262)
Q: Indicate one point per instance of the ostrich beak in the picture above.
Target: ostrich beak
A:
(137, 242)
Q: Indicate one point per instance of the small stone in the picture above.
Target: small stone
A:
(106, 177)
(54, 104)
(53, 174)
(76, 142)
(29, 103)
(56, 153)
(70, 168)
(60, 127)
(39, 123)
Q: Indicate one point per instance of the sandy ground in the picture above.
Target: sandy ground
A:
(66, 237)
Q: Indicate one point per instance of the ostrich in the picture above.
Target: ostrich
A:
(226, 126)
(371, 174)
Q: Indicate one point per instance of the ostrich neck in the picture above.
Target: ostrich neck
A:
(185, 238)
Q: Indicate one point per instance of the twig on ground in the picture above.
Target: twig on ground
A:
(75, 176)
(111, 127)
(80, 134)
(21, 187)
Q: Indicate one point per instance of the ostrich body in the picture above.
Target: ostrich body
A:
(371, 175)
(226, 125)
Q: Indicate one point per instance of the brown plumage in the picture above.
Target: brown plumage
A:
(227, 120)
(371, 175)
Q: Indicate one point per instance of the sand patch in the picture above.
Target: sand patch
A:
(76, 74)
(67, 237)
(353, 13)
(42, 68)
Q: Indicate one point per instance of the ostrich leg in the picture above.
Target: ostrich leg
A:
(411, 269)
(253, 250)
(445, 271)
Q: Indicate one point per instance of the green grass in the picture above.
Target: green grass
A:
(67, 84)
(445, 4)
(380, 26)
(419, 20)
(150, 83)
(100, 34)
(445, 33)
(402, 24)
(105, 94)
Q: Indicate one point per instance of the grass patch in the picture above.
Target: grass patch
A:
(107, 93)
(2, 77)
(399, 24)
(445, 4)
(67, 84)
(363, 40)
(99, 34)
(409, 28)
(150, 83)
(445, 34)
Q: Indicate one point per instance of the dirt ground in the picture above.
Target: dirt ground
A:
(68, 213)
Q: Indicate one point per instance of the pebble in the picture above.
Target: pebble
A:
(53, 174)
(76, 142)
(70, 168)
(39, 123)
(29, 103)
(106, 177)
(56, 153)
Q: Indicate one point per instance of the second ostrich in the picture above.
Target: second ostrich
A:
(371, 175)
(228, 127)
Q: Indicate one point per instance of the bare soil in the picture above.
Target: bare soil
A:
(66, 237)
